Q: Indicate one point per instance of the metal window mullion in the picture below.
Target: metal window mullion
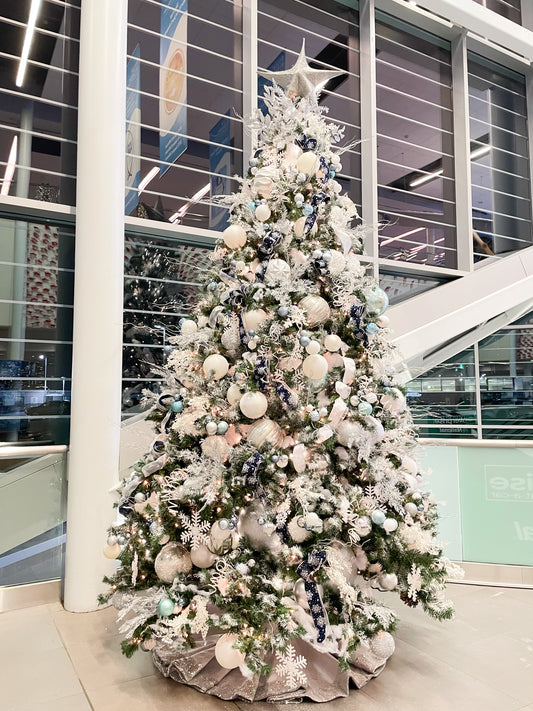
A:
(369, 149)
(461, 144)
(478, 392)
(529, 121)
(249, 74)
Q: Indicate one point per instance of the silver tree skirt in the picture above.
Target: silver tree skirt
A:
(325, 681)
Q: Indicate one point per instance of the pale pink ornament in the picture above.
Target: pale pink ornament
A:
(298, 257)
(299, 457)
(292, 153)
(289, 363)
(202, 557)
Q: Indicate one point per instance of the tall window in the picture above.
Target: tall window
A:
(331, 33)
(501, 202)
(415, 145)
(507, 8)
(184, 109)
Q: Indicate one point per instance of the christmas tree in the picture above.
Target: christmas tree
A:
(281, 491)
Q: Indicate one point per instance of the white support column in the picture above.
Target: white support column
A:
(369, 151)
(461, 149)
(98, 297)
(249, 74)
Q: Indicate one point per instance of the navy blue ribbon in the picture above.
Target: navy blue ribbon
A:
(269, 244)
(307, 144)
(250, 470)
(325, 168)
(305, 570)
(286, 396)
(315, 201)
(356, 313)
(261, 372)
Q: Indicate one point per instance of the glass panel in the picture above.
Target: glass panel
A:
(38, 119)
(400, 287)
(36, 296)
(161, 282)
(32, 518)
(501, 204)
(416, 193)
(192, 139)
(331, 33)
(507, 8)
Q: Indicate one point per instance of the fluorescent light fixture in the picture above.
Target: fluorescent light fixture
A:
(405, 234)
(10, 167)
(176, 217)
(28, 39)
(478, 152)
(425, 178)
(147, 178)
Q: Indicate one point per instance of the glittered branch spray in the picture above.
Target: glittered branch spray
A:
(282, 489)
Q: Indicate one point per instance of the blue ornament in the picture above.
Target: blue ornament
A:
(251, 206)
(253, 161)
(180, 322)
(377, 301)
(365, 408)
(305, 341)
(177, 406)
(222, 427)
(301, 177)
(274, 458)
(420, 507)
(165, 607)
(251, 333)
(283, 311)
(212, 285)
(331, 173)
(372, 328)
(378, 517)
(307, 210)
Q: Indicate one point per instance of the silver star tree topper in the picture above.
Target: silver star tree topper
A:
(301, 79)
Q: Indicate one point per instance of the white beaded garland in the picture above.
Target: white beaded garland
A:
(215, 366)
(315, 367)
(253, 405)
(234, 236)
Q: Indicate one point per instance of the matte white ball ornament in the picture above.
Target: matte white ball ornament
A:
(226, 656)
(262, 212)
(382, 644)
(211, 428)
(253, 405)
(265, 430)
(316, 309)
(202, 557)
(332, 342)
(277, 271)
(390, 525)
(298, 533)
(113, 551)
(313, 347)
(234, 236)
(383, 321)
(215, 366)
(234, 394)
(307, 162)
(315, 367)
(411, 508)
(252, 319)
(188, 327)
(171, 560)
(388, 581)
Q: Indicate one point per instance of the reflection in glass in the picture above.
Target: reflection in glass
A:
(416, 197)
(400, 287)
(506, 8)
(501, 205)
(331, 33)
(36, 292)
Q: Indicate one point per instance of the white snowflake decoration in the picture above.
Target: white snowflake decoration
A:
(194, 529)
(414, 580)
(290, 667)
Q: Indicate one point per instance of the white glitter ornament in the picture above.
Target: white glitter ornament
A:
(226, 656)
(307, 163)
(315, 367)
(362, 525)
(264, 180)
(113, 551)
(337, 262)
(253, 405)
(171, 560)
(348, 433)
(202, 557)
(234, 236)
(332, 342)
(215, 366)
(252, 319)
(411, 508)
(188, 326)
(388, 581)
(277, 272)
(262, 212)
(298, 533)
(382, 644)
(216, 447)
(292, 153)
(260, 533)
(316, 309)
(234, 394)
(265, 431)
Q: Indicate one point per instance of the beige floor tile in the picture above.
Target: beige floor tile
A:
(156, 693)
(78, 702)
(77, 627)
(38, 679)
(100, 662)
(29, 631)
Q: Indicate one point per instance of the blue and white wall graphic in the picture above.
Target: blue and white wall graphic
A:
(173, 82)
(278, 65)
(133, 130)
(219, 167)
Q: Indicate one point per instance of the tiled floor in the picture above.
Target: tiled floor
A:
(52, 660)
